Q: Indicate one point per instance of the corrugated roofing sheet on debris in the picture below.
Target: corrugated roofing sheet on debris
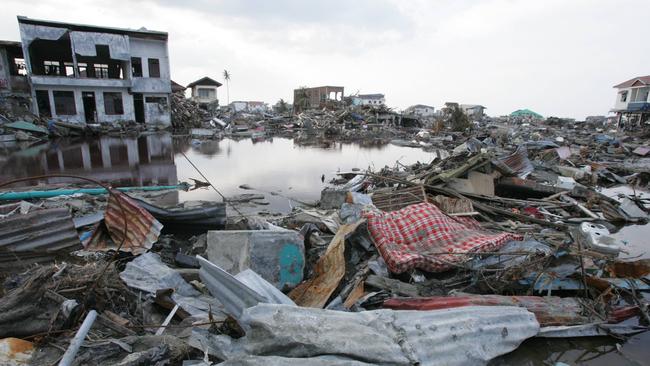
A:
(142, 228)
(518, 162)
(37, 235)
(463, 336)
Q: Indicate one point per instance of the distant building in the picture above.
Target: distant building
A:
(473, 111)
(318, 97)
(421, 110)
(369, 99)
(85, 73)
(249, 106)
(632, 104)
(204, 90)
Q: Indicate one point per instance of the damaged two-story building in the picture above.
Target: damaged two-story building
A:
(84, 73)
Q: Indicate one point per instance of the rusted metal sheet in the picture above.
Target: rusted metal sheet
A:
(37, 236)
(142, 228)
(328, 272)
(549, 310)
(395, 200)
(15, 352)
(518, 162)
(636, 269)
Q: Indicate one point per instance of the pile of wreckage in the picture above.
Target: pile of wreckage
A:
(186, 113)
(453, 262)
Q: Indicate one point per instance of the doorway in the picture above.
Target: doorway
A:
(90, 107)
(43, 103)
(138, 107)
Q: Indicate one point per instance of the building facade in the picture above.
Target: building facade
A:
(82, 73)
(369, 99)
(473, 111)
(421, 110)
(318, 97)
(204, 90)
(632, 105)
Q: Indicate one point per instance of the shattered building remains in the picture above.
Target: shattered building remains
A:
(83, 73)
(14, 89)
(307, 98)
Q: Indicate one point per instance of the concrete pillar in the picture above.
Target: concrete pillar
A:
(59, 155)
(106, 153)
(85, 156)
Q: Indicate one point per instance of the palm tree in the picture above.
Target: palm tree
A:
(226, 77)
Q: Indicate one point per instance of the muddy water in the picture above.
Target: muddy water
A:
(280, 166)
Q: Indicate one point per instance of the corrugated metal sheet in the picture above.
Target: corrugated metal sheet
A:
(549, 310)
(462, 336)
(518, 162)
(395, 200)
(36, 236)
(142, 228)
(239, 292)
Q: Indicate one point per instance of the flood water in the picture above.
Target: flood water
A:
(273, 165)
(279, 165)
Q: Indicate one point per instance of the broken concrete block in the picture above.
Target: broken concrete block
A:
(330, 198)
(277, 256)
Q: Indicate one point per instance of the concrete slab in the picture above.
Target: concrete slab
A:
(277, 256)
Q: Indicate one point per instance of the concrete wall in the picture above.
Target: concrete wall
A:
(364, 101)
(145, 49)
(4, 72)
(423, 111)
(127, 103)
(158, 113)
(619, 104)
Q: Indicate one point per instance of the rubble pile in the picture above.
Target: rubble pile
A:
(186, 113)
(506, 231)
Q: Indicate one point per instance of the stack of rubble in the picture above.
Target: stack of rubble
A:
(458, 261)
(186, 113)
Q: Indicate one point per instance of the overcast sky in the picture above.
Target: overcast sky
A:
(556, 57)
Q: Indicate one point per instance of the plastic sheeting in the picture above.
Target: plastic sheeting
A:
(148, 273)
(466, 336)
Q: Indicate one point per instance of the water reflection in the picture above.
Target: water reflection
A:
(269, 164)
(147, 160)
(284, 166)
(594, 351)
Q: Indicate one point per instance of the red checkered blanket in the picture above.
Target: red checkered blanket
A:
(418, 235)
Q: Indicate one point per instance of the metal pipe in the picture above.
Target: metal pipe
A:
(25, 195)
(78, 339)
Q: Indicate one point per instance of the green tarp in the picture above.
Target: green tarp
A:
(526, 112)
(26, 126)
